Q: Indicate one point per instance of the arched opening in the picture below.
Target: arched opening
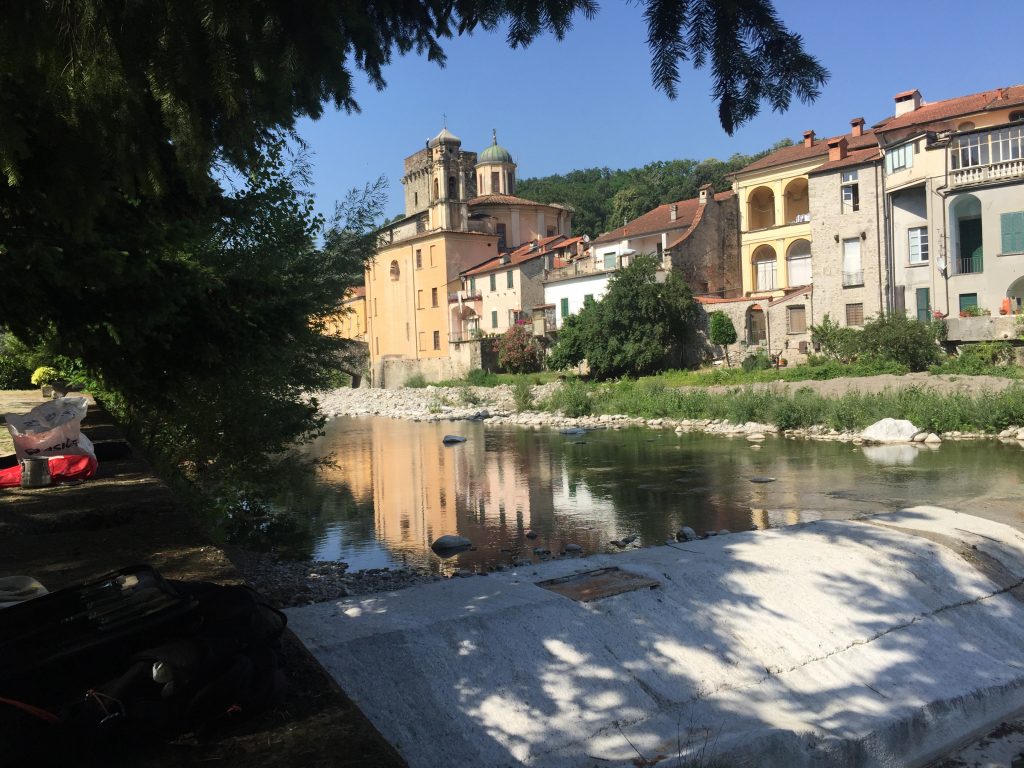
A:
(757, 328)
(761, 208)
(437, 189)
(395, 271)
(1016, 295)
(1017, 115)
(798, 263)
(965, 215)
(764, 268)
(451, 188)
(797, 203)
(966, 125)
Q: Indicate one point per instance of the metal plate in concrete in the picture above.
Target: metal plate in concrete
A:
(595, 585)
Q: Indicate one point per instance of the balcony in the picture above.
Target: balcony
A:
(980, 174)
(457, 296)
(853, 279)
(970, 265)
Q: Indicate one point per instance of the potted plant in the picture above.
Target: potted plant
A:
(44, 377)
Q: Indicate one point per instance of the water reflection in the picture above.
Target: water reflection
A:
(395, 487)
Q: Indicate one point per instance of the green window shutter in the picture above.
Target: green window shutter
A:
(494, 318)
(1012, 225)
(494, 282)
(565, 308)
(472, 285)
(924, 307)
(509, 273)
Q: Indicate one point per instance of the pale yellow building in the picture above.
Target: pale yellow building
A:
(350, 323)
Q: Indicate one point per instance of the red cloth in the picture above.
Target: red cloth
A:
(61, 468)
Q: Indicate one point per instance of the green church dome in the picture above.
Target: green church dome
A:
(494, 153)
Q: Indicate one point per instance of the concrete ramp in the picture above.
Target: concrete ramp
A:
(882, 642)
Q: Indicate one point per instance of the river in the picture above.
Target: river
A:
(394, 487)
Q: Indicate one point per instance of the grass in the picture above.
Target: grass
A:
(926, 408)
(480, 378)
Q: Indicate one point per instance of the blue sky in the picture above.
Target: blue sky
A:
(588, 101)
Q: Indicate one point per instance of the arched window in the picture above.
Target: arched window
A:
(763, 263)
(395, 271)
(798, 263)
(966, 125)
(451, 188)
(797, 204)
(1017, 115)
(761, 208)
(756, 326)
(437, 189)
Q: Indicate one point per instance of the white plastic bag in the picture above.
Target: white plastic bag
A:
(51, 429)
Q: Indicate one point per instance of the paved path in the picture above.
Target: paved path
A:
(850, 643)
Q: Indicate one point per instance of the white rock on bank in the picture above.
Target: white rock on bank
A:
(890, 431)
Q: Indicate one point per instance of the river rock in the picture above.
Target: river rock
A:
(890, 431)
(920, 437)
(450, 544)
(755, 437)
(573, 548)
(1020, 435)
(452, 439)
(932, 439)
(531, 534)
(686, 533)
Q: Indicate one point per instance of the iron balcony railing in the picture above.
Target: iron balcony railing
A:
(851, 279)
(970, 265)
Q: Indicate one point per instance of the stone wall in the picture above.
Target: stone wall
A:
(393, 372)
(830, 226)
(709, 258)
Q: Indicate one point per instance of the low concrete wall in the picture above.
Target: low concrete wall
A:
(994, 328)
(393, 372)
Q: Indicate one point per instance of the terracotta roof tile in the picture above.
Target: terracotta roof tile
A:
(502, 200)
(997, 98)
(859, 157)
(799, 152)
(659, 220)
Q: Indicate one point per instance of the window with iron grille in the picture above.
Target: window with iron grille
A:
(419, 258)
(437, 339)
(855, 314)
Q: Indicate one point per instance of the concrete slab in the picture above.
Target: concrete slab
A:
(876, 643)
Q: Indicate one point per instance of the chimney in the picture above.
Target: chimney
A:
(836, 149)
(673, 212)
(808, 138)
(907, 101)
(857, 126)
(705, 193)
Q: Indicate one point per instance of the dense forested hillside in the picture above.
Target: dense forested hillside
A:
(604, 198)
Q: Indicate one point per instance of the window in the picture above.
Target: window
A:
(437, 188)
(421, 342)
(395, 271)
(855, 314)
(494, 282)
(494, 318)
(419, 299)
(1012, 225)
(969, 151)
(451, 187)
(659, 249)
(511, 182)
(415, 199)
(966, 125)
(1018, 115)
(500, 228)
(551, 231)
(374, 306)
(565, 308)
(850, 192)
(796, 319)
(852, 272)
(764, 268)
(472, 286)
(495, 188)
(1008, 144)
(419, 258)
(437, 339)
(509, 280)
(798, 263)
(899, 158)
(923, 300)
(968, 300)
(918, 237)
(433, 298)
(588, 299)
(609, 260)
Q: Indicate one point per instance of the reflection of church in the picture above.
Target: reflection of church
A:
(460, 211)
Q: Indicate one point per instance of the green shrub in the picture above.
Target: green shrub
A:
(478, 377)
(572, 399)
(721, 331)
(519, 351)
(901, 339)
(834, 341)
(13, 373)
(44, 374)
(468, 396)
(758, 361)
(522, 394)
(416, 381)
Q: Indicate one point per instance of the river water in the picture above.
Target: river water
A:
(395, 487)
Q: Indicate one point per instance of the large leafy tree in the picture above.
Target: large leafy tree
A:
(638, 328)
(120, 121)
